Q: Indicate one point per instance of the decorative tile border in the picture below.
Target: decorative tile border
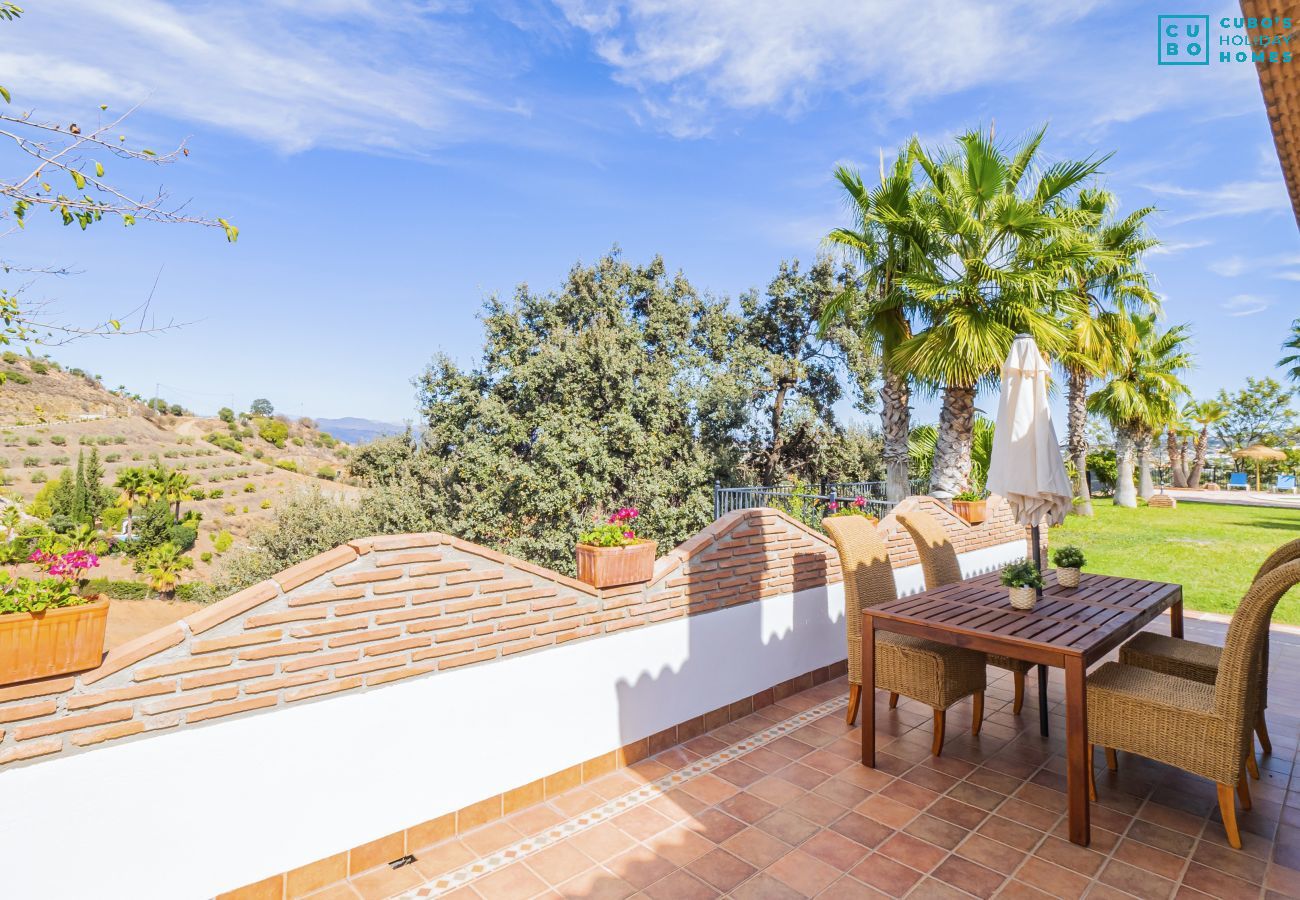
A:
(472, 871)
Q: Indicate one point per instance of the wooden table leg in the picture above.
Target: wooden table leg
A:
(1042, 699)
(868, 691)
(1076, 749)
(1176, 616)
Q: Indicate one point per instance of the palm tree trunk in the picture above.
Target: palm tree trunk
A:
(1077, 439)
(1125, 494)
(895, 423)
(1198, 464)
(956, 435)
(1176, 470)
(1142, 445)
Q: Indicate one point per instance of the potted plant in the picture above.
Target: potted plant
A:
(1069, 560)
(611, 554)
(1023, 579)
(46, 627)
(855, 507)
(971, 506)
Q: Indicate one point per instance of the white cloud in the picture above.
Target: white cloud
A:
(1169, 248)
(1236, 198)
(690, 60)
(1246, 305)
(342, 73)
(1230, 267)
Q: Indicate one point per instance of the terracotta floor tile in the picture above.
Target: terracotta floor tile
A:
(849, 795)
(968, 876)
(936, 831)
(602, 841)
(747, 807)
(715, 825)
(576, 801)
(739, 773)
(756, 847)
(1218, 884)
(886, 811)
(1232, 862)
(789, 827)
(432, 861)
(857, 827)
(709, 788)
(834, 849)
(679, 844)
(514, 882)
(1161, 838)
(1083, 860)
(721, 869)
(912, 795)
(912, 852)
(681, 885)
(559, 862)
(1052, 879)
(765, 887)
(801, 871)
(594, 884)
(1135, 881)
(891, 878)
(993, 854)
(340, 891)
(490, 837)
(849, 888)
(802, 776)
(817, 809)
(381, 883)
(642, 822)
(777, 790)
(535, 819)
(641, 867)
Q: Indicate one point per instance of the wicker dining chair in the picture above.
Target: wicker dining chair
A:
(936, 674)
(1201, 728)
(1200, 662)
(940, 566)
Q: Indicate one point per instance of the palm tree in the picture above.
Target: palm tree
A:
(1141, 398)
(175, 488)
(1206, 413)
(923, 439)
(1108, 283)
(131, 482)
(163, 566)
(1177, 434)
(999, 251)
(885, 239)
(1292, 359)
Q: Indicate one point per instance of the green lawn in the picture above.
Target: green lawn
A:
(1212, 551)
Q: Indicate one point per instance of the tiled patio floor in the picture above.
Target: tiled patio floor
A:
(776, 805)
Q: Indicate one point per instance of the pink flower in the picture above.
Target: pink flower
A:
(860, 502)
(834, 506)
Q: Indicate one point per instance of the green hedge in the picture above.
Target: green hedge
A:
(194, 592)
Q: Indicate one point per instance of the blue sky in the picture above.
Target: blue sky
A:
(389, 164)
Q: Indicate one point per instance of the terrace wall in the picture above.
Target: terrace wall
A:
(403, 683)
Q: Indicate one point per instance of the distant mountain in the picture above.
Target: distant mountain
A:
(358, 431)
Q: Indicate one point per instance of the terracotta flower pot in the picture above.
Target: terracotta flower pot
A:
(1067, 577)
(973, 512)
(53, 642)
(604, 567)
(1022, 597)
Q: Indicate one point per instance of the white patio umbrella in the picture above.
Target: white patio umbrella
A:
(1025, 466)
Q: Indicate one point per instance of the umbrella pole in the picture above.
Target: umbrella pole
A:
(1042, 669)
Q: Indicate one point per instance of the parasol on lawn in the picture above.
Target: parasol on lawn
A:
(1259, 453)
(1025, 465)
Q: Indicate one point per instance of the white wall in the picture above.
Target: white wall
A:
(204, 809)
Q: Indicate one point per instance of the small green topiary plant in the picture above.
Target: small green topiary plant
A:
(971, 496)
(1023, 574)
(1069, 557)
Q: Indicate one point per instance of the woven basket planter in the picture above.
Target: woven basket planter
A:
(603, 567)
(1067, 578)
(973, 512)
(1022, 597)
(53, 642)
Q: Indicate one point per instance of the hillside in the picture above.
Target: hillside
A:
(48, 417)
(352, 430)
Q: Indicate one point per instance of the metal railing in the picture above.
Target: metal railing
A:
(803, 505)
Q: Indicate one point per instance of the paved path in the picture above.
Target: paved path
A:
(1236, 498)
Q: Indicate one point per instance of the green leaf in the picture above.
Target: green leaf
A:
(4, 92)
(99, 169)
(78, 178)
(128, 219)
(148, 152)
(115, 324)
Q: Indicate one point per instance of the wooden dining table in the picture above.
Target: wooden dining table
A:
(1068, 628)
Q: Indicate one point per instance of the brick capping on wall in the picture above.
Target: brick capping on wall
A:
(380, 609)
